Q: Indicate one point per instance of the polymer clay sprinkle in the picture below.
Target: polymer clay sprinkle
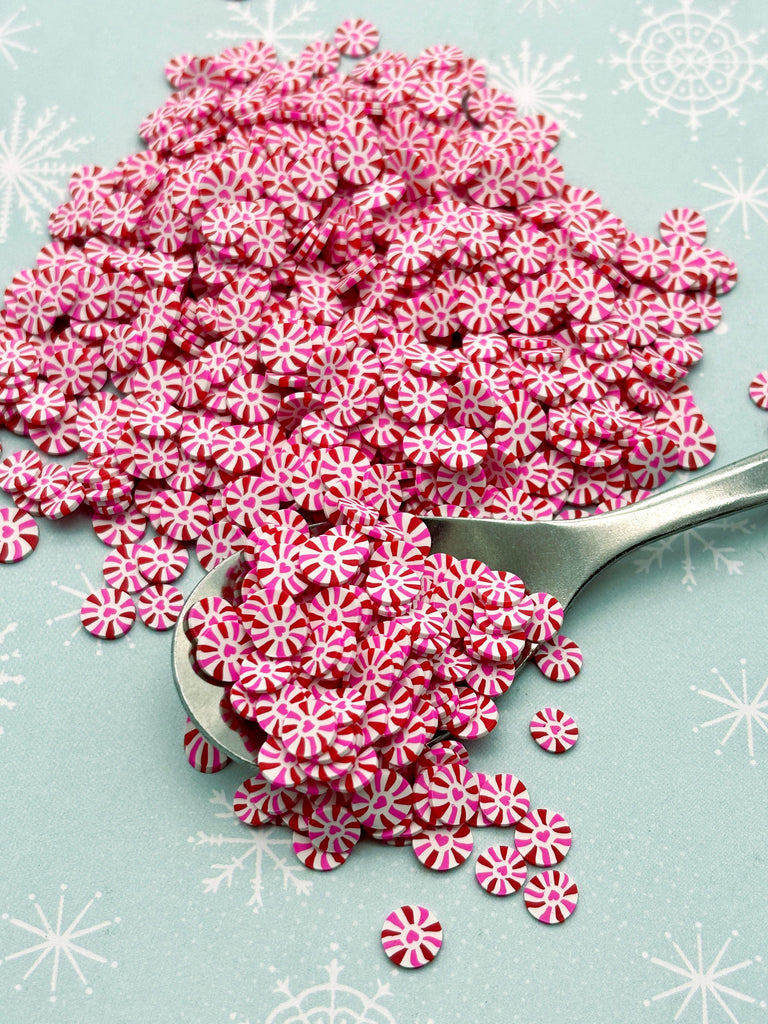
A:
(108, 613)
(412, 936)
(501, 870)
(443, 849)
(18, 535)
(551, 896)
(758, 389)
(560, 659)
(202, 755)
(543, 837)
(554, 730)
(159, 606)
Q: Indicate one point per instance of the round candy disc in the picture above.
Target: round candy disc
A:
(411, 936)
(501, 870)
(160, 605)
(108, 613)
(551, 897)
(554, 730)
(18, 535)
(543, 837)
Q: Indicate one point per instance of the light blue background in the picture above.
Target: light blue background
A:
(669, 822)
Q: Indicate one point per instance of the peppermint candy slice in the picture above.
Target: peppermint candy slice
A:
(412, 936)
(160, 606)
(554, 730)
(543, 837)
(18, 535)
(443, 849)
(501, 870)
(551, 897)
(108, 613)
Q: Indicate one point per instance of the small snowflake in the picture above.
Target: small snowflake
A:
(259, 846)
(283, 33)
(739, 198)
(690, 62)
(753, 712)
(652, 555)
(539, 88)
(33, 168)
(9, 32)
(59, 942)
(706, 982)
(5, 676)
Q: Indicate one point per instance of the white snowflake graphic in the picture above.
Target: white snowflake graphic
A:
(33, 166)
(738, 198)
(703, 540)
(706, 982)
(539, 87)
(54, 943)
(329, 1002)
(9, 32)
(690, 62)
(258, 847)
(7, 677)
(541, 6)
(753, 712)
(282, 31)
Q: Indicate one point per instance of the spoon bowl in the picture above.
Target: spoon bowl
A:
(559, 556)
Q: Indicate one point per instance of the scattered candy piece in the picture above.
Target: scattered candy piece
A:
(108, 613)
(551, 897)
(412, 936)
(554, 730)
(501, 870)
(18, 535)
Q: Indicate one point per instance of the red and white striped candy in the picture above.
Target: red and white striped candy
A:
(317, 860)
(18, 535)
(551, 896)
(503, 799)
(443, 849)
(554, 730)
(412, 936)
(333, 829)
(160, 605)
(108, 613)
(201, 753)
(543, 837)
(559, 659)
(501, 870)
(161, 560)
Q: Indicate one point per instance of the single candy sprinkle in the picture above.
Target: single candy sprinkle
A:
(108, 613)
(18, 535)
(554, 730)
(501, 870)
(551, 897)
(412, 936)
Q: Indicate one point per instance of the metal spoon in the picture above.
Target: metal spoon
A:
(559, 556)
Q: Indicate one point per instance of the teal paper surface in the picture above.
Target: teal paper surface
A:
(129, 891)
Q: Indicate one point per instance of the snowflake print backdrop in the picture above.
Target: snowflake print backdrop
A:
(737, 708)
(690, 61)
(704, 541)
(713, 986)
(254, 849)
(540, 86)
(54, 943)
(284, 29)
(742, 200)
(7, 675)
(34, 166)
(329, 1002)
(11, 43)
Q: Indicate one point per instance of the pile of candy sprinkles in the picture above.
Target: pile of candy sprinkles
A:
(352, 298)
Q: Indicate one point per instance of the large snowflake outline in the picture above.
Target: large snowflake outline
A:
(690, 62)
(60, 942)
(33, 165)
(5, 675)
(256, 845)
(703, 980)
(329, 1002)
(652, 555)
(539, 88)
(283, 34)
(10, 30)
(753, 712)
(738, 198)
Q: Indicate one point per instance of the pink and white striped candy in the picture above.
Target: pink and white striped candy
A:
(543, 837)
(18, 535)
(554, 730)
(443, 849)
(108, 613)
(560, 659)
(202, 755)
(501, 870)
(412, 936)
(159, 606)
(551, 896)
